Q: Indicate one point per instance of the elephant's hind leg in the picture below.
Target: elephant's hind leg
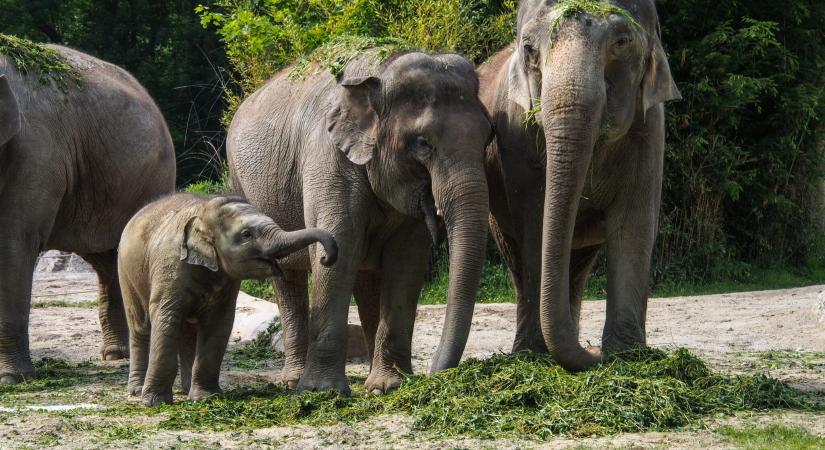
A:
(581, 264)
(293, 305)
(112, 317)
(186, 355)
(367, 293)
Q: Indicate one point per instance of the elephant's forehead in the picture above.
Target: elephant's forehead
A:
(428, 85)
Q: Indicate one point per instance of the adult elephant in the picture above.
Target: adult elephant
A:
(378, 156)
(82, 148)
(577, 103)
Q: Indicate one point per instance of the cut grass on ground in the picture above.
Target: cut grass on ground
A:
(524, 395)
(65, 304)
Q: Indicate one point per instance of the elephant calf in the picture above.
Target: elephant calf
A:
(181, 261)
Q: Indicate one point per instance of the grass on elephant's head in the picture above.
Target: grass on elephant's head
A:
(28, 56)
(337, 53)
(772, 437)
(522, 394)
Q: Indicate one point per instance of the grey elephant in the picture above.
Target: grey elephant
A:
(82, 148)
(182, 259)
(381, 155)
(576, 166)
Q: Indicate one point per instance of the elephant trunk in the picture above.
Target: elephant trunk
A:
(572, 106)
(286, 243)
(464, 200)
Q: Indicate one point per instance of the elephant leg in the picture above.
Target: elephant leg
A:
(110, 306)
(404, 267)
(630, 239)
(186, 355)
(581, 264)
(367, 293)
(523, 257)
(138, 359)
(293, 306)
(166, 327)
(327, 351)
(215, 328)
(17, 260)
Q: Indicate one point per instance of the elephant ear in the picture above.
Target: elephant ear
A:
(353, 122)
(10, 123)
(197, 246)
(518, 83)
(658, 85)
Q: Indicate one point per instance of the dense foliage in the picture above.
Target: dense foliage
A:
(744, 160)
(161, 42)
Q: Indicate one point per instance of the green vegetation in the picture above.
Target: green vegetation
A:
(773, 437)
(65, 304)
(212, 187)
(516, 395)
(596, 8)
(30, 56)
(335, 55)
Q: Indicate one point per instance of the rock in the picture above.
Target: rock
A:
(253, 317)
(356, 344)
(57, 261)
(819, 309)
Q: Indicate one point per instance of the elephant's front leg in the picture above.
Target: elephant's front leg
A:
(332, 289)
(17, 261)
(165, 333)
(110, 303)
(630, 239)
(404, 266)
(214, 328)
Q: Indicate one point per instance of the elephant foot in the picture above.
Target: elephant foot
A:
(114, 352)
(321, 383)
(383, 382)
(529, 343)
(134, 390)
(198, 393)
(291, 376)
(156, 398)
(16, 373)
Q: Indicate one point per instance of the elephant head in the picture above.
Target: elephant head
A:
(420, 130)
(230, 235)
(593, 69)
(9, 112)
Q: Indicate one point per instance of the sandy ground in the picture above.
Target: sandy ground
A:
(725, 329)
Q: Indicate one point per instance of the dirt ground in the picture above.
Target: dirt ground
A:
(775, 332)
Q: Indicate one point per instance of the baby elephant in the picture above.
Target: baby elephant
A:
(181, 262)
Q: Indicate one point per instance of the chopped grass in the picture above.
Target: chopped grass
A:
(28, 56)
(773, 437)
(573, 8)
(523, 394)
(336, 54)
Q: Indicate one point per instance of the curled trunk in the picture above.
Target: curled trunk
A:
(290, 242)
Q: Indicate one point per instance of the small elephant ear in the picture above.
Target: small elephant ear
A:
(518, 83)
(353, 122)
(10, 123)
(196, 245)
(658, 85)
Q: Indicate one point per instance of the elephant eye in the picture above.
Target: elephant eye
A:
(623, 41)
(423, 149)
(246, 234)
(530, 53)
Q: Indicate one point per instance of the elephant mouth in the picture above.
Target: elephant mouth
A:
(274, 268)
(433, 218)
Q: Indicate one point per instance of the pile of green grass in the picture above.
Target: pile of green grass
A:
(523, 394)
(28, 56)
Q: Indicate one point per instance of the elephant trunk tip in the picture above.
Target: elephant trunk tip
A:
(331, 250)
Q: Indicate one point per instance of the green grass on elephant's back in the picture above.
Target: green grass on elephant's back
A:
(524, 394)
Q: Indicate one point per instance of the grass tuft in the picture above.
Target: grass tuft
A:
(773, 437)
(523, 394)
(28, 56)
